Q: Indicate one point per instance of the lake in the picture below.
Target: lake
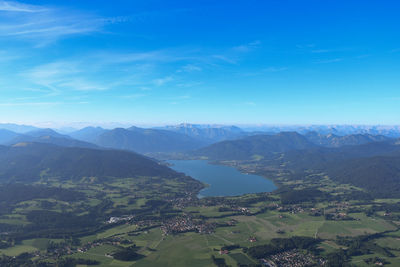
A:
(222, 180)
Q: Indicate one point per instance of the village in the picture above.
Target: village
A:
(292, 258)
(187, 224)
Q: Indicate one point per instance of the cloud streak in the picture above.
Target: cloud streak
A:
(43, 25)
(334, 60)
(11, 6)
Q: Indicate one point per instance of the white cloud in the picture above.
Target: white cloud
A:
(44, 25)
(134, 96)
(163, 81)
(225, 59)
(334, 60)
(305, 46)
(190, 68)
(62, 75)
(15, 104)
(143, 70)
(247, 47)
(275, 69)
(11, 6)
(6, 56)
(321, 51)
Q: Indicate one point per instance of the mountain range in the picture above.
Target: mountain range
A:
(365, 160)
(332, 140)
(208, 134)
(341, 130)
(47, 136)
(17, 128)
(183, 138)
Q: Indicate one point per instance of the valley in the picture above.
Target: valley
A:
(199, 133)
(83, 206)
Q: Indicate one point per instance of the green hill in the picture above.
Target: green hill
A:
(28, 162)
(379, 175)
(254, 146)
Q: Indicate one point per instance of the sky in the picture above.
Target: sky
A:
(226, 62)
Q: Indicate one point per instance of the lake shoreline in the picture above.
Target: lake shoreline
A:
(222, 180)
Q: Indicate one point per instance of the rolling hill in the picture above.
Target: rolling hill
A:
(29, 162)
(254, 146)
(321, 157)
(372, 166)
(379, 175)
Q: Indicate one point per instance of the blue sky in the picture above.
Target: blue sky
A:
(230, 62)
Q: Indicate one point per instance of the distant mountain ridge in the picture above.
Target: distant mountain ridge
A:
(147, 140)
(341, 130)
(208, 133)
(332, 140)
(6, 136)
(47, 136)
(366, 160)
(186, 137)
(17, 128)
(88, 134)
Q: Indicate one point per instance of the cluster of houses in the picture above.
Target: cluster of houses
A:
(293, 209)
(115, 241)
(182, 202)
(186, 224)
(292, 258)
(126, 218)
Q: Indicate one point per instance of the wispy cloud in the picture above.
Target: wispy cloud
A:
(305, 46)
(247, 47)
(44, 25)
(189, 68)
(362, 56)
(62, 75)
(334, 60)
(149, 56)
(321, 51)
(6, 56)
(163, 81)
(15, 104)
(144, 70)
(133, 96)
(225, 58)
(11, 6)
(264, 71)
(176, 100)
(274, 69)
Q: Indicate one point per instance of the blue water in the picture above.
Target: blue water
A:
(222, 180)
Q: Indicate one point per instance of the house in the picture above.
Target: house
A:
(222, 252)
(252, 239)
